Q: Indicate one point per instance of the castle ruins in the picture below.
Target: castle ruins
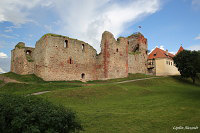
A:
(60, 58)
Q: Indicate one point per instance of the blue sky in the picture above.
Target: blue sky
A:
(165, 23)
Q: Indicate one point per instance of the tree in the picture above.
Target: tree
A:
(19, 114)
(188, 63)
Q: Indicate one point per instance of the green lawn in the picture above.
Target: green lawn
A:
(130, 77)
(148, 106)
(22, 88)
(1, 82)
(31, 78)
(155, 105)
(23, 78)
(31, 84)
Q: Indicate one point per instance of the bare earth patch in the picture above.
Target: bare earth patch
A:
(135, 80)
(7, 80)
(39, 93)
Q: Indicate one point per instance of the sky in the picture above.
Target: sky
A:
(167, 24)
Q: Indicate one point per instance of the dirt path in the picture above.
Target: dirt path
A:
(39, 93)
(42, 92)
(135, 80)
(7, 80)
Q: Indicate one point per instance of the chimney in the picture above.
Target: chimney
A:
(167, 52)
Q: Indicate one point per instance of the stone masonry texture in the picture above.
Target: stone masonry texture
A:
(60, 58)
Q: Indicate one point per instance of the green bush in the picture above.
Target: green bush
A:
(1, 82)
(29, 58)
(30, 114)
(188, 64)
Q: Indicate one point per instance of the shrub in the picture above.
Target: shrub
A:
(29, 58)
(30, 114)
(1, 82)
(188, 63)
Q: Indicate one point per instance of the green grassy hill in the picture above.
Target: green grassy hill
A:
(1, 82)
(153, 105)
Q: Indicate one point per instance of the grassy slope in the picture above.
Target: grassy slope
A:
(34, 84)
(16, 88)
(154, 105)
(34, 79)
(130, 77)
(1, 82)
(23, 78)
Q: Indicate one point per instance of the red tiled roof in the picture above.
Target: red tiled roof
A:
(180, 49)
(159, 53)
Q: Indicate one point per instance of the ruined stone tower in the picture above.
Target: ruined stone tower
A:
(60, 58)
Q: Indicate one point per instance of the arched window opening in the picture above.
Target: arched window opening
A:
(70, 61)
(117, 50)
(136, 48)
(83, 47)
(66, 44)
(28, 52)
(83, 75)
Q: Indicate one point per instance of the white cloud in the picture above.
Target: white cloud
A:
(48, 28)
(172, 52)
(3, 55)
(162, 47)
(6, 36)
(16, 11)
(5, 64)
(153, 49)
(2, 43)
(196, 4)
(47, 4)
(89, 19)
(85, 20)
(7, 45)
(30, 35)
(1, 70)
(197, 38)
(194, 47)
(10, 28)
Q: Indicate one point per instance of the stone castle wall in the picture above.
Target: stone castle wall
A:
(113, 57)
(72, 61)
(137, 53)
(21, 59)
(40, 62)
(60, 58)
